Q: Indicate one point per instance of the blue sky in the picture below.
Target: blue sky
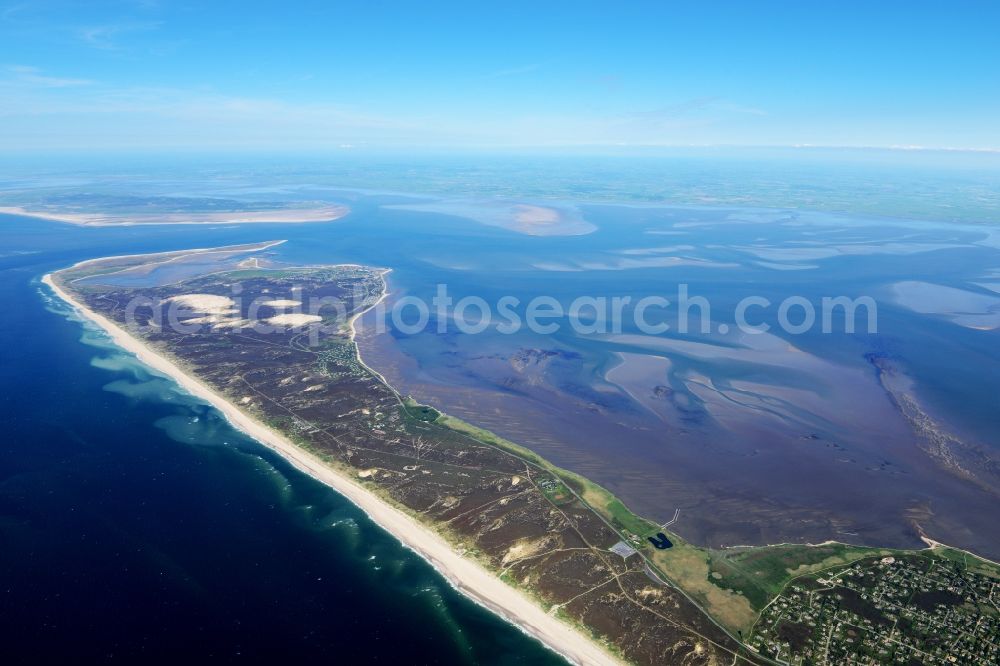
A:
(322, 75)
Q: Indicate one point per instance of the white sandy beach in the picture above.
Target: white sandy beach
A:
(286, 215)
(465, 575)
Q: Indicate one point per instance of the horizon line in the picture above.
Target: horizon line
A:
(460, 148)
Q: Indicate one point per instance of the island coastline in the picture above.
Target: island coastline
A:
(465, 575)
(684, 568)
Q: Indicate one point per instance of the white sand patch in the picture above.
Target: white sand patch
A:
(207, 319)
(293, 319)
(206, 303)
(523, 548)
(282, 303)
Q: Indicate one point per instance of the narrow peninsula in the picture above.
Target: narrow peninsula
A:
(541, 546)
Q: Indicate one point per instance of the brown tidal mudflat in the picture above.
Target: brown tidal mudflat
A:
(738, 478)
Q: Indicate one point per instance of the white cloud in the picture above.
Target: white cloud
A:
(32, 76)
(105, 37)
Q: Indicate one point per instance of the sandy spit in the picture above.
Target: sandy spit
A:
(467, 576)
(284, 215)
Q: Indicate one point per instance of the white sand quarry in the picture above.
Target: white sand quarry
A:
(208, 304)
(297, 319)
(219, 311)
(215, 310)
(282, 303)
